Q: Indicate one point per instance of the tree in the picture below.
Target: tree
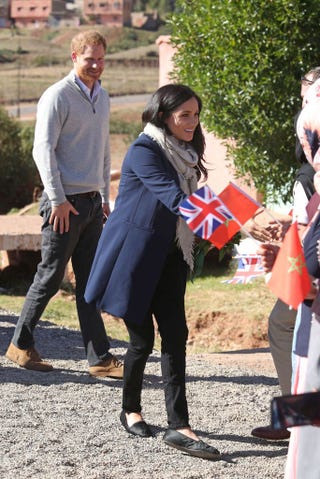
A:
(18, 174)
(245, 59)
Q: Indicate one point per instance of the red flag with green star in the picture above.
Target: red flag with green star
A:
(290, 280)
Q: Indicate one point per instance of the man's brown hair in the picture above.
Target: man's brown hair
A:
(89, 37)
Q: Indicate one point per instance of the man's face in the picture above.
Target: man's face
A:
(89, 65)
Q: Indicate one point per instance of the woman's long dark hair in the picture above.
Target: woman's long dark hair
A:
(161, 105)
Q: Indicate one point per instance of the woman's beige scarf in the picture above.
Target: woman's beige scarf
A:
(183, 158)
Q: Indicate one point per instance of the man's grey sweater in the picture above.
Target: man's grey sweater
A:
(71, 145)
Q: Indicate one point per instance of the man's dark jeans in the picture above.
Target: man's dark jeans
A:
(79, 244)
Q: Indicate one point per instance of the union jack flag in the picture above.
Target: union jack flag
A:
(204, 212)
(249, 268)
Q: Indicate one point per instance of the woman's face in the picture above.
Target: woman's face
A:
(183, 121)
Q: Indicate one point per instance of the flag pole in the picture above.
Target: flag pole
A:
(271, 215)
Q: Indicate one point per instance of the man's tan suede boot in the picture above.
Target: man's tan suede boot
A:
(111, 368)
(27, 358)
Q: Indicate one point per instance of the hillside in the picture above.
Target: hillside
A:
(33, 59)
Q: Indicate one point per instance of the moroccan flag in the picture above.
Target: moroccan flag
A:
(241, 205)
(290, 280)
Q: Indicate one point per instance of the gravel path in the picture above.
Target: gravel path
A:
(65, 424)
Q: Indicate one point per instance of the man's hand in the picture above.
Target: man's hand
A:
(60, 217)
(106, 210)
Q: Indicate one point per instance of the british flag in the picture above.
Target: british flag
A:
(204, 212)
(249, 268)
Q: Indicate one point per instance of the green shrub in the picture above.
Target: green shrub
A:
(118, 126)
(152, 53)
(18, 174)
(32, 177)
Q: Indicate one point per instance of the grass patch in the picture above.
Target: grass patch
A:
(118, 126)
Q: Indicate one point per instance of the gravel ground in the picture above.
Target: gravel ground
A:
(65, 424)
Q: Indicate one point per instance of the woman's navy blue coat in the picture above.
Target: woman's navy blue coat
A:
(138, 234)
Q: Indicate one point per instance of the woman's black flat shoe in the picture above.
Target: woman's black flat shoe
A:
(140, 428)
(175, 439)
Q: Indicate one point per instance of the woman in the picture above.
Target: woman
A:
(142, 259)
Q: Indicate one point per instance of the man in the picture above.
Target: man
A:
(71, 151)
